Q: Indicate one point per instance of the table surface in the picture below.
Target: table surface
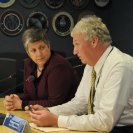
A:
(23, 115)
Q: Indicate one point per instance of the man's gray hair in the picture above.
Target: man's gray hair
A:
(93, 26)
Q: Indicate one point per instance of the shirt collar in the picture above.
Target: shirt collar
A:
(102, 60)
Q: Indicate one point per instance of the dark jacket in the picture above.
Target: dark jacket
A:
(57, 84)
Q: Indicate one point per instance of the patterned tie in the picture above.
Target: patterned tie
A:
(92, 92)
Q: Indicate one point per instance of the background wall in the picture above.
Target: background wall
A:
(121, 25)
(117, 15)
(63, 44)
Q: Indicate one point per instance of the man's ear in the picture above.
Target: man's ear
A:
(94, 42)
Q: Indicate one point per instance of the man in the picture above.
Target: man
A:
(110, 107)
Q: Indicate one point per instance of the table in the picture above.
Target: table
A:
(23, 115)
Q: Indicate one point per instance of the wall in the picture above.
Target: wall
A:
(13, 44)
(121, 25)
(117, 16)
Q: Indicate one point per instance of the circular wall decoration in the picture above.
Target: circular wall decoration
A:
(37, 19)
(11, 22)
(101, 3)
(6, 3)
(29, 3)
(54, 4)
(79, 4)
(62, 23)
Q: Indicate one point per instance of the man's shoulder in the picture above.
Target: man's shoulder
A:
(118, 58)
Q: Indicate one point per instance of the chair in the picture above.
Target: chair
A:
(7, 74)
(77, 65)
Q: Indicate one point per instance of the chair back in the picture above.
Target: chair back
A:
(7, 74)
(77, 65)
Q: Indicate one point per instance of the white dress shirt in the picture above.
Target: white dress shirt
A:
(113, 101)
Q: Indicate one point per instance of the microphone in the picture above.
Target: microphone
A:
(2, 117)
(29, 79)
(77, 66)
(12, 76)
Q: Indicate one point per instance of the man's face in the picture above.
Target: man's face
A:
(83, 48)
(39, 52)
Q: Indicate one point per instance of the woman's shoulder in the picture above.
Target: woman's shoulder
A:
(58, 62)
(28, 63)
(57, 59)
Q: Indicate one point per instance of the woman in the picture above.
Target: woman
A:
(45, 75)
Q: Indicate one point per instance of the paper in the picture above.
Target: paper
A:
(46, 129)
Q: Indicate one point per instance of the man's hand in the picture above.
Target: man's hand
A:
(43, 118)
(34, 107)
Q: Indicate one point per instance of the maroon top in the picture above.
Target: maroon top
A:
(56, 85)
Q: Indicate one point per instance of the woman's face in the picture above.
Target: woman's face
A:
(39, 52)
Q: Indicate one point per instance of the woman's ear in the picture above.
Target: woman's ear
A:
(28, 53)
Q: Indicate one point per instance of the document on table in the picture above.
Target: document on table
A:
(47, 129)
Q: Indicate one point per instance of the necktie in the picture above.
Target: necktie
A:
(92, 92)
